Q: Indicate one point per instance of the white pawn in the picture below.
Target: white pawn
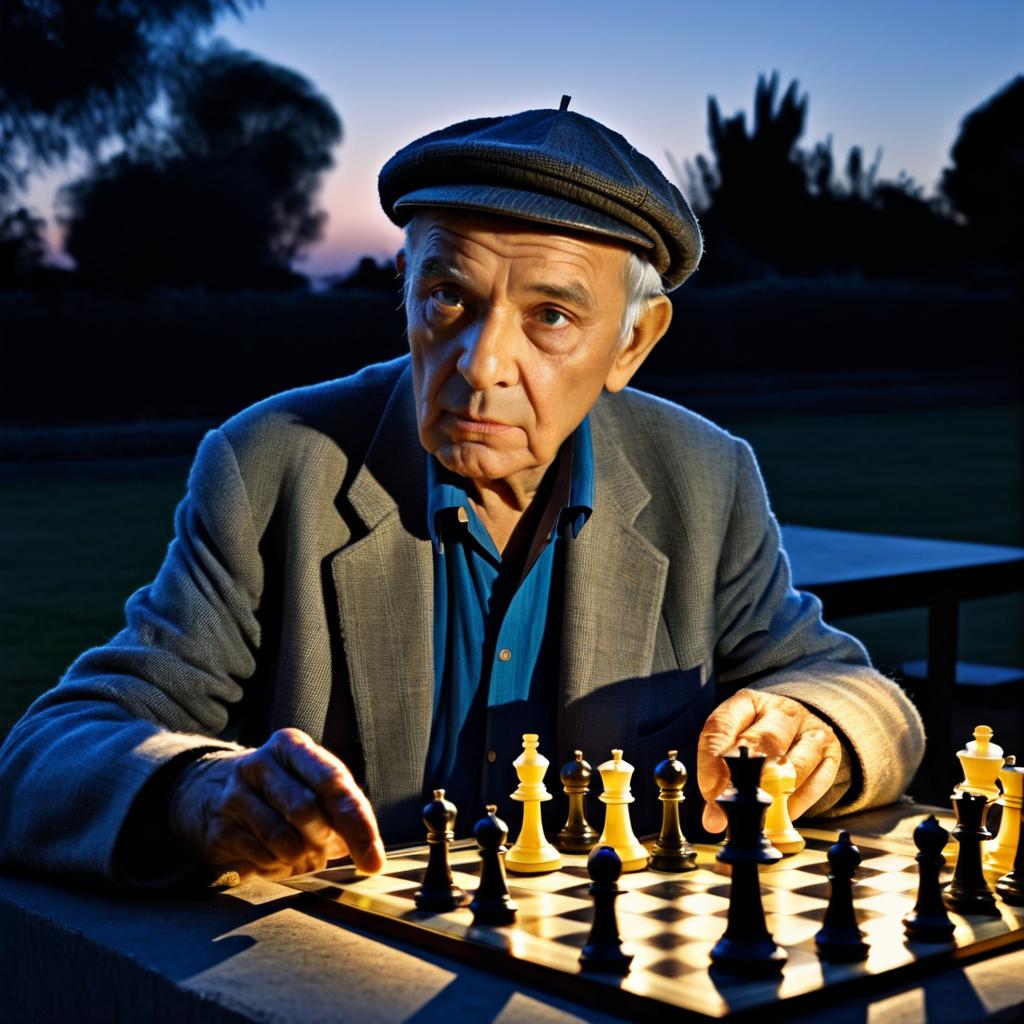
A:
(778, 780)
(981, 760)
(532, 853)
(618, 830)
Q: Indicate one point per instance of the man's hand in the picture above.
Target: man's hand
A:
(766, 723)
(279, 810)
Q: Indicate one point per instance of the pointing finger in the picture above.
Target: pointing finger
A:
(343, 802)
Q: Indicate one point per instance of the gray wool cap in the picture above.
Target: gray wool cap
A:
(553, 167)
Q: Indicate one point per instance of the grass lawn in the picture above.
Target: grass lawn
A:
(75, 541)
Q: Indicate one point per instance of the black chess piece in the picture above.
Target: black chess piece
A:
(928, 921)
(840, 939)
(746, 947)
(437, 892)
(671, 851)
(1009, 886)
(969, 893)
(492, 903)
(603, 950)
(577, 836)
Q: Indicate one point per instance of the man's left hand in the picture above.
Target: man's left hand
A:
(770, 724)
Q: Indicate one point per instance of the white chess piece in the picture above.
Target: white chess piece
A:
(981, 760)
(778, 780)
(999, 852)
(618, 830)
(532, 853)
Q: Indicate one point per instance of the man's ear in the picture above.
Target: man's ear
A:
(650, 327)
(400, 261)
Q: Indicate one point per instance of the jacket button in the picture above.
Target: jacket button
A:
(505, 654)
(491, 757)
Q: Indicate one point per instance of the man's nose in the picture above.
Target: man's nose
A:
(487, 359)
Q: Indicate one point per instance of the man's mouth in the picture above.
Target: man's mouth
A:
(469, 425)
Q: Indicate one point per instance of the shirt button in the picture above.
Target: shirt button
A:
(491, 757)
(505, 654)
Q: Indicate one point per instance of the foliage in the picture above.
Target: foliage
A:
(768, 205)
(221, 194)
(986, 182)
(76, 72)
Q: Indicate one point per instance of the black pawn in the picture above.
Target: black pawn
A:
(577, 836)
(969, 893)
(671, 851)
(603, 951)
(747, 946)
(437, 892)
(491, 902)
(1010, 886)
(928, 921)
(840, 939)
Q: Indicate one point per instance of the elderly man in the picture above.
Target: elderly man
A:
(393, 576)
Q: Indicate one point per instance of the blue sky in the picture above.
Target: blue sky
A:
(897, 74)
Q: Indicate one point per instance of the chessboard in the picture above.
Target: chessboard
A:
(669, 922)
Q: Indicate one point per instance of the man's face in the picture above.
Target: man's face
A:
(513, 331)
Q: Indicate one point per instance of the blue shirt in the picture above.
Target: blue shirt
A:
(497, 631)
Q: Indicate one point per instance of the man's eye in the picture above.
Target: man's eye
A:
(553, 317)
(446, 298)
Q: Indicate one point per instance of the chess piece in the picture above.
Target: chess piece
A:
(577, 836)
(981, 760)
(746, 947)
(1011, 886)
(437, 892)
(618, 831)
(968, 892)
(778, 780)
(1000, 852)
(928, 921)
(492, 903)
(840, 939)
(603, 949)
(671, 851)
(532, 853)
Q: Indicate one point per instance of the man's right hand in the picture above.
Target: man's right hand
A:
(282, 809)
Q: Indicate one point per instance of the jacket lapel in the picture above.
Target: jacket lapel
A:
(384, 585)
(614, 590)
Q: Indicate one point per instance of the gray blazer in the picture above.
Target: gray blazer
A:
(298, 591)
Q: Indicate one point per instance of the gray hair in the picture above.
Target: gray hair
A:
(643, 284)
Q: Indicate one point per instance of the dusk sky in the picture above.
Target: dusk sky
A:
(896, 74)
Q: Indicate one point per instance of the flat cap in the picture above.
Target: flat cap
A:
(553, 167)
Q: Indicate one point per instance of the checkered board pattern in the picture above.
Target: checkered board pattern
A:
(670, 922)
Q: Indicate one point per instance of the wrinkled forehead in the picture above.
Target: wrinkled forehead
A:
(463, 237)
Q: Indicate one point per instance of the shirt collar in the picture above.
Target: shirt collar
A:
(447, 499)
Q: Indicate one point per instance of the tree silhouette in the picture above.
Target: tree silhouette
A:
(767, 205)
(758, 167)
(76, 72)
(986, 182)
(222, 194)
